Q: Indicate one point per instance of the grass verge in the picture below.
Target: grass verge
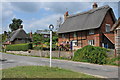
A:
(41, 72)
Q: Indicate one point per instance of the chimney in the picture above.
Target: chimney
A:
(95, 5)
(31, 34)
(21, 26)
(66, 15)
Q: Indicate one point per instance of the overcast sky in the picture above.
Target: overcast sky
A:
(38, 15)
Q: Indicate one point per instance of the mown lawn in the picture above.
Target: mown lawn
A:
(41, 72)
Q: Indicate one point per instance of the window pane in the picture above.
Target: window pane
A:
(91, 31)
(107, 27)
(91, 42)
(75, 35)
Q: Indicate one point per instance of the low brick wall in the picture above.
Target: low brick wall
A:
(58, 54)
(19, 52)
(63, 54)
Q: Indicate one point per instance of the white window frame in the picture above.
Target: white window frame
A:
(91, 31)
(107, 27)
(45, 36)
(74, 43)
(75, 34)
(91, 42)
(63, 35)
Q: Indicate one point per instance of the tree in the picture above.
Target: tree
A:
(15, 24)
(40, 41)
(59, 22)
(3, 37)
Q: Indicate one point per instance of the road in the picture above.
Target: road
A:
(92, 69)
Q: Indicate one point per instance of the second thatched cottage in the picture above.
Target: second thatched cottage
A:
(18, 36)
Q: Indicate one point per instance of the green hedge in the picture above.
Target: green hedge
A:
(91, 54)
(19, 47)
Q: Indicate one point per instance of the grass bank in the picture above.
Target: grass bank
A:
(41, 72)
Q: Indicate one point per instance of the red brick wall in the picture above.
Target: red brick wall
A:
(82, 36)
(97, 39)
(108, 20)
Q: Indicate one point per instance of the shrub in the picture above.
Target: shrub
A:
(91, 54)
(114, 61)
(37, 48)
(19, 47)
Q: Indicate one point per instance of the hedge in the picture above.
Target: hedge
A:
(91, 54)
(19, 47)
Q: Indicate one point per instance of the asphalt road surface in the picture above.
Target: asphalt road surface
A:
(92, 69)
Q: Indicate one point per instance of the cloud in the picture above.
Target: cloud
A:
(1, 18)
(62, 7)
(113, 5)
(42, 23)
(7, 15)
(9, 8)
(119, 9)
(26, 6)
(6, 10)
(57, 9)
(5, 29)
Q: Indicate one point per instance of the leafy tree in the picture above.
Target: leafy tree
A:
(39, 40)
(3, 37)
(15, 24)
(55, 37)
(59, 22)
(36, 38)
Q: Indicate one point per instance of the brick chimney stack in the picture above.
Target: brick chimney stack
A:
(21, 26)
(66, 15)
(31, 34)
(95, 5)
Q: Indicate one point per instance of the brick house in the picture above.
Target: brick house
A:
(116, 29)
(89, 28)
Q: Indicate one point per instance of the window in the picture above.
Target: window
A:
(66, 35)
(80, 43)
(46, 36)
(75, 34)
(91, 31)
(63, 35)
(107, 27)
(105, 45)
(91, 42)
(75, 43)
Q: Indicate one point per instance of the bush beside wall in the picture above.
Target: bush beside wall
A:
(19, 47)
(91, 54)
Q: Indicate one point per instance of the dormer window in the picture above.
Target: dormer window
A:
(63, 35)
(107, 27)
(75, 34)
(91, 31)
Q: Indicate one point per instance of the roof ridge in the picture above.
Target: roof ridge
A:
(89, 11)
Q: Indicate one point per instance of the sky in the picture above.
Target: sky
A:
(39, 15)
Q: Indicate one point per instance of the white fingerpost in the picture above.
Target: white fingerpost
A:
(51, 28)
(50, 46)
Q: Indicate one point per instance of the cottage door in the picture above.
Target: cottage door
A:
(105, 45)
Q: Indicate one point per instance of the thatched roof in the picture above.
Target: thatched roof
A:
(87, 20)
